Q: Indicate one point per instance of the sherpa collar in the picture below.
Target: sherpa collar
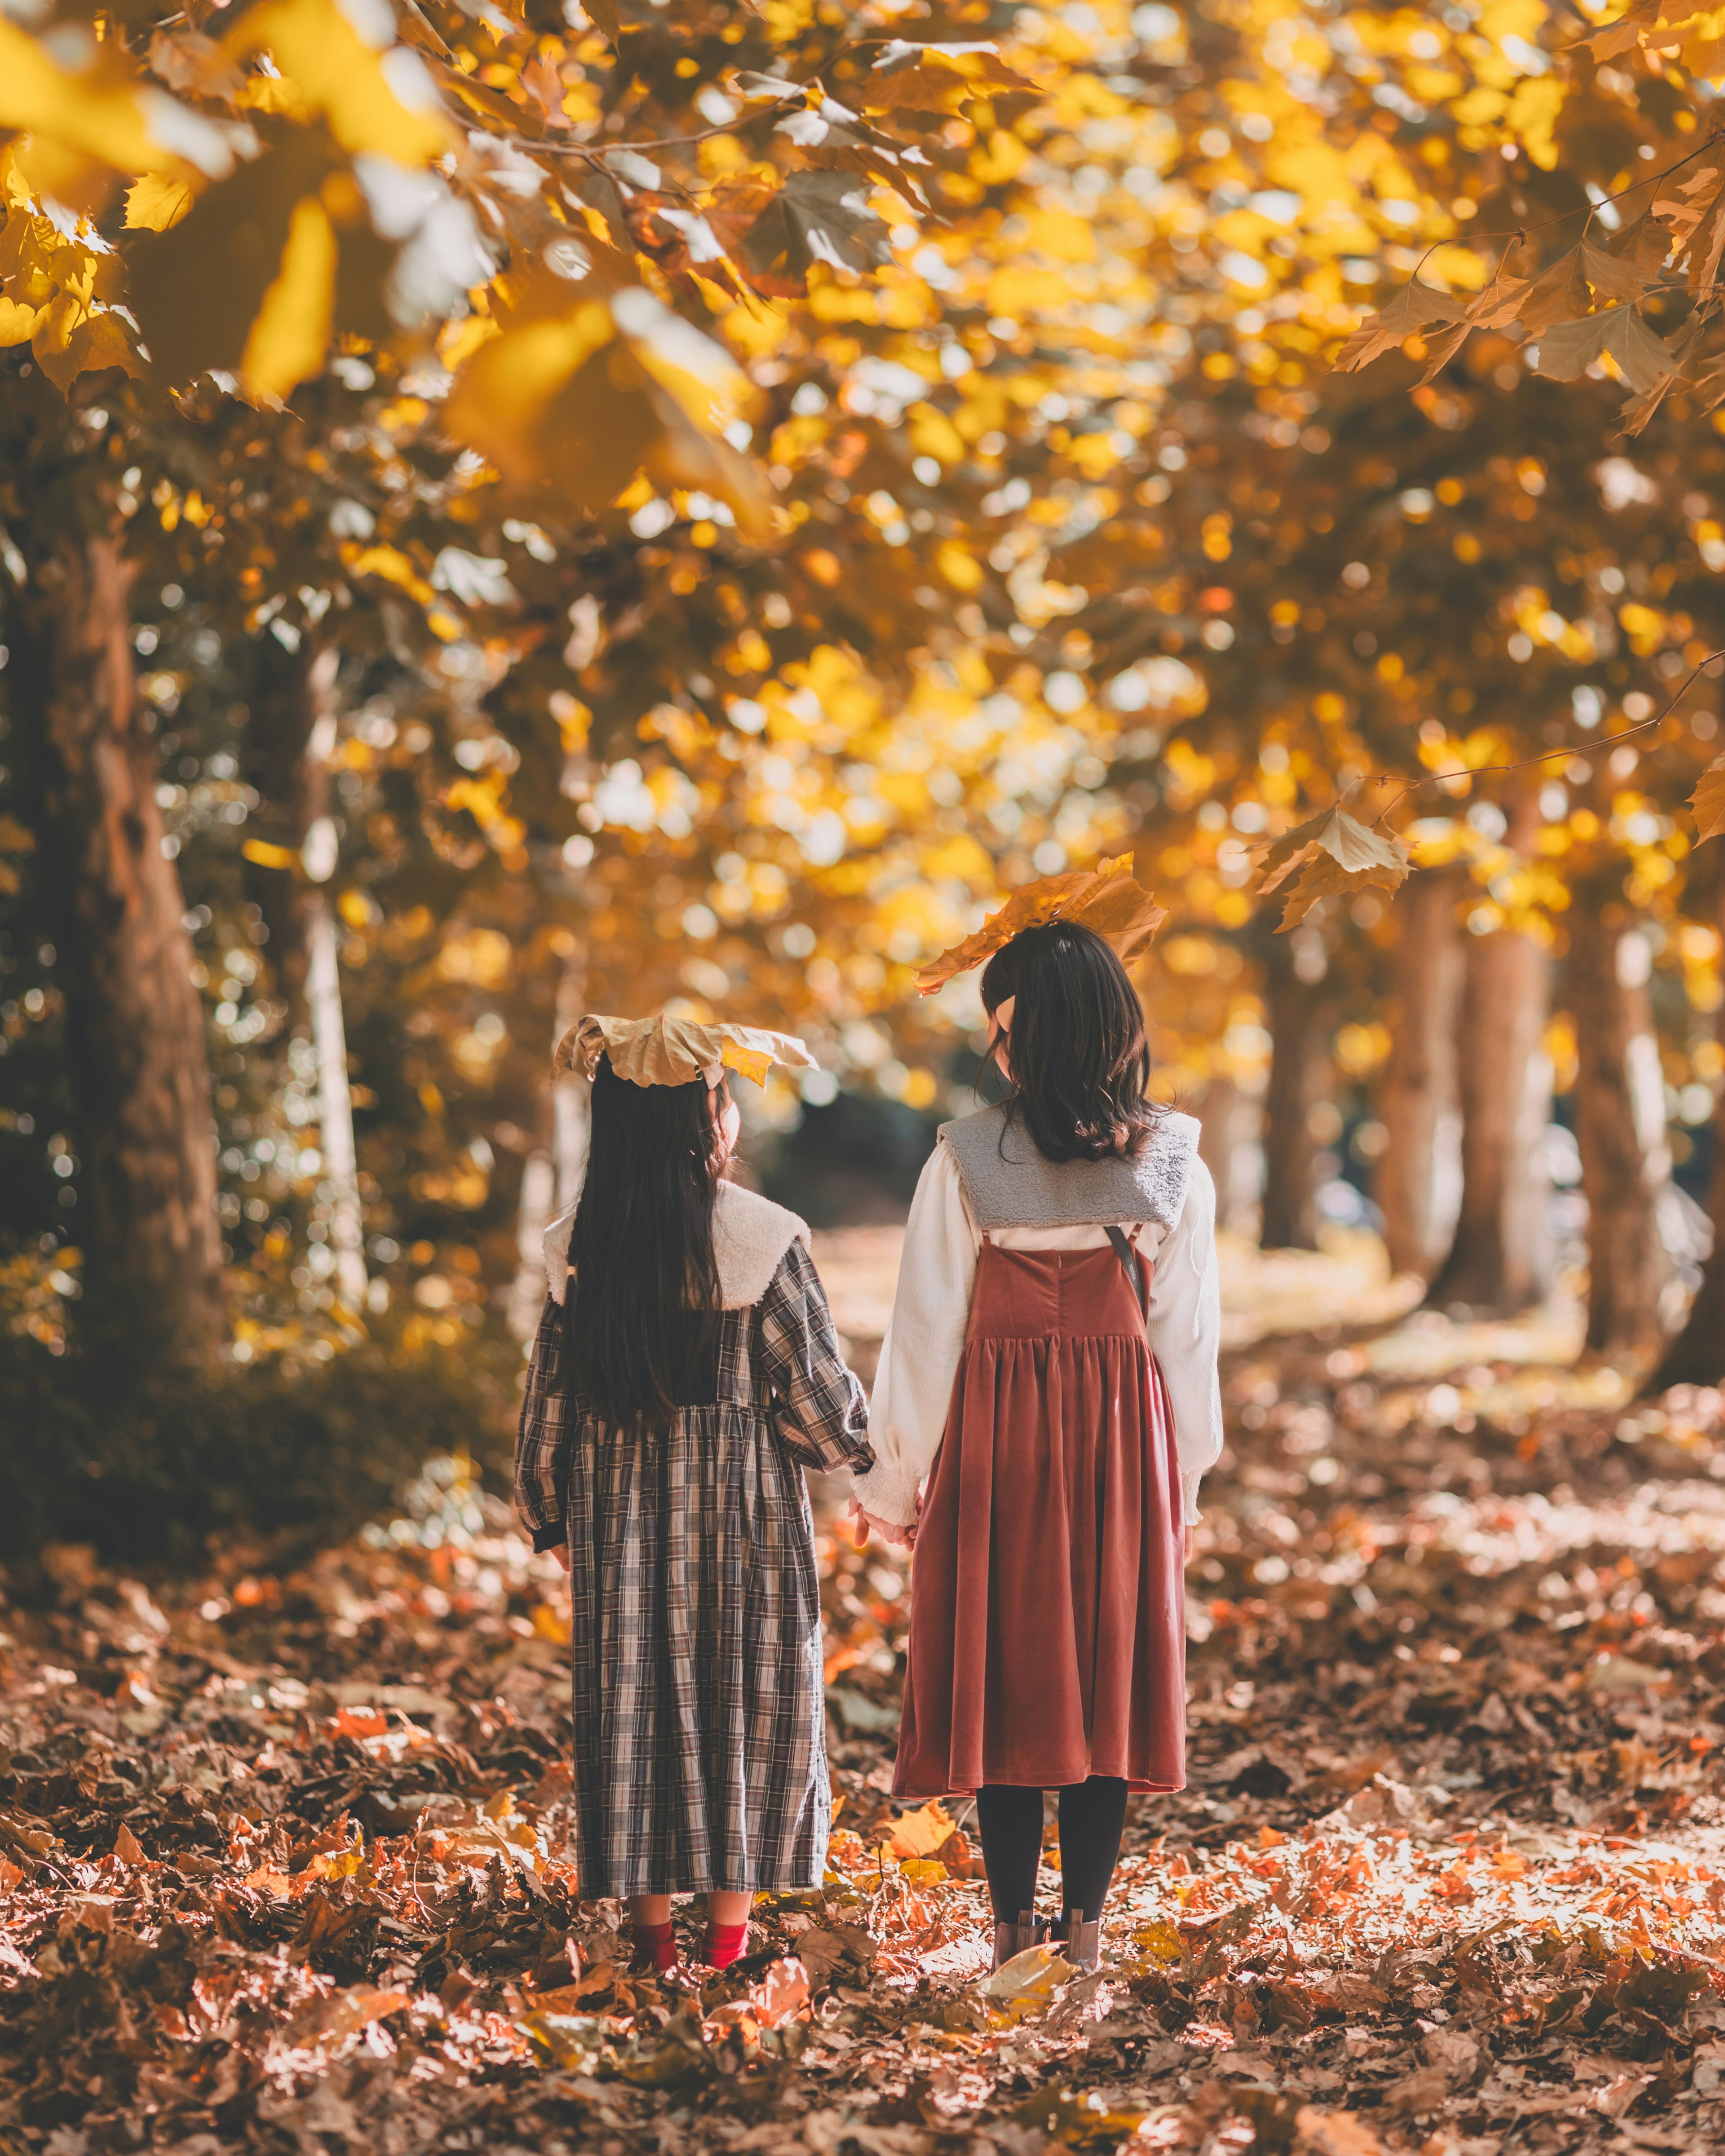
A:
(750, 1236)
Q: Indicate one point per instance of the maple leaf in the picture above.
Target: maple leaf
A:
(1413, 310)
(934, 77)
(814, 217)
(1330, 853)
(1708, 800)
(1625, 34)
(1644, 359)
(1697, 217)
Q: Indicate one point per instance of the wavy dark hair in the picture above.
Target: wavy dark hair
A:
(641, 1314)
(1081, 1062)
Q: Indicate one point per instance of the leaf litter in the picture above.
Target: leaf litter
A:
(285, 1860)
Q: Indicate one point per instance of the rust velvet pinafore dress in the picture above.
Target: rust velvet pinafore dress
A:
(1048, 1631)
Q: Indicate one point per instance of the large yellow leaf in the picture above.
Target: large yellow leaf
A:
(291, 334)
(156, 203)
(95, 112)
(17, 321)
(505, 391)
(362, 94)
(198, 289)
(582, 388)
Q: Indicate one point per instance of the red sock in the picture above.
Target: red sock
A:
(655, 1948)
(724, 1943)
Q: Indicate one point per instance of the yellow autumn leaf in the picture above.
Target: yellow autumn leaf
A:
(345, 81)
(508, 385)
(156, 201)
(18, 322)
(921, 1832)
(92, 114)
(287, 341)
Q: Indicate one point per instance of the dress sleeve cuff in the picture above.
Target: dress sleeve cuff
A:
(1188, 1492)
(888, 1491)
(547, 1538)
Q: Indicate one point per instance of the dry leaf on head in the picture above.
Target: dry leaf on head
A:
(1105, 898)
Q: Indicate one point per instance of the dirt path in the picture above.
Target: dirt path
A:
(284, 1861)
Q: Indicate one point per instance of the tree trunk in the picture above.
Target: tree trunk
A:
(1697, 1355)
(1228, 1145)
(334, 1104)
(1294, 1010)
(290, 691)
(551, 1178)
(1419, 1103)
(1619, 1093)
(1500, 1260)
(134, 1039)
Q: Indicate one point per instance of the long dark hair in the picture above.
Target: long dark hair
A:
(642, 1311)
(1080, 1060)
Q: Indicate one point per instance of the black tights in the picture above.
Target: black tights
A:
(1009, 1821)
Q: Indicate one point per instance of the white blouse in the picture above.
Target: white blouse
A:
(931, 1312)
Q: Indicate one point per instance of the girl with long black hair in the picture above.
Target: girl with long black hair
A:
(686, 1372)
(1051, 1369)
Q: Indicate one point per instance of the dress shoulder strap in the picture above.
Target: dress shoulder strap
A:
(1126, 1249)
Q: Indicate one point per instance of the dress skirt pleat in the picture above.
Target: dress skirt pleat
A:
(1048, 1628)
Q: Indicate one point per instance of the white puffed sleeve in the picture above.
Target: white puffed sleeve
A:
(924, 1342)
(1184, 1326)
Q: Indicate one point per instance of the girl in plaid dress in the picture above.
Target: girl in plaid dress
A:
(686, 1371)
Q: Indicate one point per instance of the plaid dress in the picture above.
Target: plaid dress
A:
(700, 1738)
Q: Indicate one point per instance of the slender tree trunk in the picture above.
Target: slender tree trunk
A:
(551, 1179)
(1697, 1355)
(569, 1093)
(1293, 1008)
(1227, 1121)
(1420, 1103)
(138, 1064)
(1500, 1260)
(291, 735)
(334, 1104)
(1626, 1160)
(288, 692)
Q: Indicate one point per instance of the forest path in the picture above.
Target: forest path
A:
(284, 1861)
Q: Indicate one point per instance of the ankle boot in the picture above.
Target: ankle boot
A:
(1081, 1942)
(1010, 1939)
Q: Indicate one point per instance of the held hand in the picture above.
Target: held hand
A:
(1186, 1545)
(889, 1531)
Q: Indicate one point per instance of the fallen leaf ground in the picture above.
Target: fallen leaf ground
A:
(285, 1861)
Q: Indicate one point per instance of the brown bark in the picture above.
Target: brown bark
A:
(290, 692)
(1419, 1088)
(135, 1051)
(1619, 1126)
(1500, 1260)
(1294, 1010)
(1227, 1121)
